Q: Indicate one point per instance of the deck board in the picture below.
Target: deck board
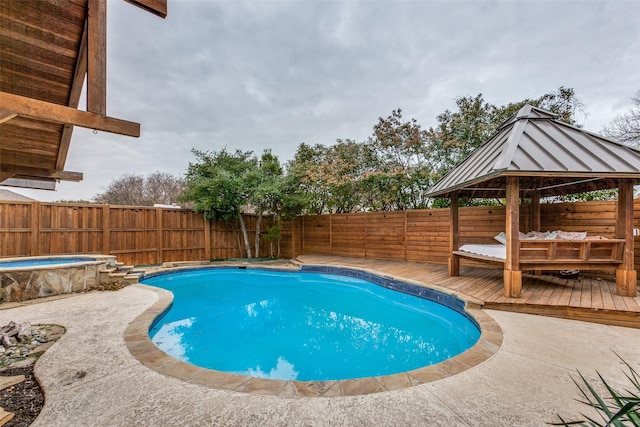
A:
(597, 297)
(585, 295)
(556, 294)
(584, 298)
(576, 294)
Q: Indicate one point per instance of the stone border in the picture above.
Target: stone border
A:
(142, 348)
(77, 273)
(81, 260)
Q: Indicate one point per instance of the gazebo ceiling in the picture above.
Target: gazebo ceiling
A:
(47, 47)
(549, 156)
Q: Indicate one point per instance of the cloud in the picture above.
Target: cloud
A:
(265, 74)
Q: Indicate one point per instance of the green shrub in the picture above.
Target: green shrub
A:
(618, 409)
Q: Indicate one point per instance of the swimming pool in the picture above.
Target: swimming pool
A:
(309, 325)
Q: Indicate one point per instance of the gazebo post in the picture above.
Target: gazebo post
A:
(535, 214)
(535, 210)
(454, 236)
(626, 276)
(512, 273)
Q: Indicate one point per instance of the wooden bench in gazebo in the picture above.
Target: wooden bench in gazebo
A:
(559, 255)
(532, 156)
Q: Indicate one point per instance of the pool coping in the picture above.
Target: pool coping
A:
(91, 259)
(139, 343)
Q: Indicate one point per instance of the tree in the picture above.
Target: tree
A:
(266, 192)
(219, 185)
(394, 168)
(304, 179)
(224, 186)
(626, 127)
(138, 190)
(402, 168)
(163, 188)
(459, 133)
(343, 168)
(330, 179)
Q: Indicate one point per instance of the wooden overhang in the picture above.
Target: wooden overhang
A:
(47, 48)
(533, 155)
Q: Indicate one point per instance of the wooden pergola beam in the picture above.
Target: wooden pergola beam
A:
(97, 57)
(6, 115)
(8, 171)
(157, 7)
(49, 112)
(74, 99)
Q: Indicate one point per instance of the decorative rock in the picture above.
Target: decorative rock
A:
(42, 348)
(20, 354)
(24, 362)
(8, 341)
(24, 332)
(10, 329)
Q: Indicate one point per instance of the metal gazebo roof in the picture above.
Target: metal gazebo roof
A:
(549, 156)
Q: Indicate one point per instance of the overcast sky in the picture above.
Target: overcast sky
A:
(273, 74)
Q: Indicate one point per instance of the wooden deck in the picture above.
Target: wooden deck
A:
(585, 298)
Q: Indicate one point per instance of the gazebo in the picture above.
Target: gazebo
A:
(532, 156)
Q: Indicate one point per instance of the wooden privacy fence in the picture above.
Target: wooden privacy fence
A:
(423, 235)
(145, 235)
(136, 235)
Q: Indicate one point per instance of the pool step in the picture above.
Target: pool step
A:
(132, 278)
(120, 273)
(104, 275)
(117, 275)
(125, 268)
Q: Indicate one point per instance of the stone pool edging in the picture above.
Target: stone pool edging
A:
(139, 343)
(37, 281)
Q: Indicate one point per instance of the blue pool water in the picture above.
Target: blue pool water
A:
(36, 262)
(303, 326)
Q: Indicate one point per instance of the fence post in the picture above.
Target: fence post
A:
(159, 236)
(207, 238)
(296, 235)
(35, 228)
(405, 236)
(366, 232)
(330, 234)
(302, 235)
(106, 230)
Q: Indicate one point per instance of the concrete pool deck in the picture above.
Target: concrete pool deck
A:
(90, 378)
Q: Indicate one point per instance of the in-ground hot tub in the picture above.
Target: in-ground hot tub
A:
(27, 278)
